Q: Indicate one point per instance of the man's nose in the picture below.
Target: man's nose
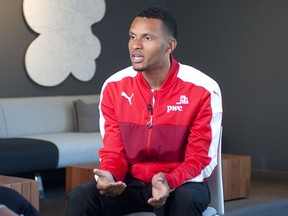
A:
(137, 44)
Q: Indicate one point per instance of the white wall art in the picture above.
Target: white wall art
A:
(66, 44)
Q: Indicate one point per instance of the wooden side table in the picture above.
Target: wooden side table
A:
(79, 174)
(28, 188)
(236, 173)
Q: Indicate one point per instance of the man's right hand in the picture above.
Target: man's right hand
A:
(160, 190)
(107, 185)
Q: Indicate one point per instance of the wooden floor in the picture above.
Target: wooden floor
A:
(266, 187)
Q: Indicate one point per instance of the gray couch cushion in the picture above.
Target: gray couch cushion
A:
(87, 115)
(3, 132)
(19, 155)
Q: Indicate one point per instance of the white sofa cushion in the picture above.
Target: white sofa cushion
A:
(74, 148)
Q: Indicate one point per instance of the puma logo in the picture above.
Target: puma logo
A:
(127, 97)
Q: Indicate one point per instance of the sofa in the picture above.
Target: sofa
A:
(49, 132)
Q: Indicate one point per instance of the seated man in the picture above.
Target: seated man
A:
(160, 122)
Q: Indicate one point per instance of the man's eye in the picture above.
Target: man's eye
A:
(132, 37)
(147, 38)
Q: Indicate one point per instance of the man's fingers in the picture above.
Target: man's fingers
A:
(156, 203)
(106, 183)
(113, 193)
(112, 189)
(160, 191)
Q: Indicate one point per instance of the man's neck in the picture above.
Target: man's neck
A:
(155, 78)
(155, 81)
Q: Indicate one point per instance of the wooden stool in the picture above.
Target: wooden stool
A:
(28, 188)
(236, 173)
(79, 174)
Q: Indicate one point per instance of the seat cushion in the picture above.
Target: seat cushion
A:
(74, 148)
(210, 211)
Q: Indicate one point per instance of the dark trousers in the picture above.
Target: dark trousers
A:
(16, 202)
(190, 199)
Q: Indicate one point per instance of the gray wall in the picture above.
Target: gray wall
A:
(242, 44)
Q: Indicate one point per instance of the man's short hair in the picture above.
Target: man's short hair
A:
(162, 14)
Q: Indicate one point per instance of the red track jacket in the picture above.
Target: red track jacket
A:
(174, 130)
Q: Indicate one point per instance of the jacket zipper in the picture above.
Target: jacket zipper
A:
(149, 124)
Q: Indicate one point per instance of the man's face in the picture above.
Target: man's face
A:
(148, 44)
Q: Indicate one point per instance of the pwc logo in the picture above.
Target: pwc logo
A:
(178, 107)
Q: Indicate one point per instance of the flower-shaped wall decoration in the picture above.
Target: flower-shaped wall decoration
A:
(66, 44)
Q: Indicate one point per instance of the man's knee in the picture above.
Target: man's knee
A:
(83, 200)
(183, 197)
(76, 192)
(190, 199)
(82, 192)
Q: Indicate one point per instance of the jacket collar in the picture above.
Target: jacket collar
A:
(170, 79)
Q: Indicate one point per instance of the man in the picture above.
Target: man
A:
(160, 121)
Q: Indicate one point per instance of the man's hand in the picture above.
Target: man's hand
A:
(160, 190)
(107, 185)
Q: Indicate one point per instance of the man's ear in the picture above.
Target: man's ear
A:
(172, 45)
